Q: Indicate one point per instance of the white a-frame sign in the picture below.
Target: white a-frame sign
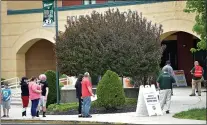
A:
(148, 103)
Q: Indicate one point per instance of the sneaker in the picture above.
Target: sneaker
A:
(199, 95)
(7, 116)
(89, 116)
(167, 112)
(44, 116)
(80, 116)
(37, 115)
(4, 116)
(192, 95)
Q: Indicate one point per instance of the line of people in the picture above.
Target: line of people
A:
(37, 91)
(33, 89)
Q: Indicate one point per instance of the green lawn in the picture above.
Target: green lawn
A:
(196, 114)
(70, 106)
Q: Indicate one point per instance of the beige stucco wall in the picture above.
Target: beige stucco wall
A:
(20, 32)
(19, 5)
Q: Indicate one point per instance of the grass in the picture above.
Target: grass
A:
(74, 106)
(196, 114)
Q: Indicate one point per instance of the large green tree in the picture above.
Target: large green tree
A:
(123, 42)
(198, 7)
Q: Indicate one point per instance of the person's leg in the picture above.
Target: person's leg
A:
(79, 106)
(84, 107)
(193, 87)
(36, 103)
(25, 104)
(33, 111)
(39, 106)
(88, 105)
(162, 98)
(8, 107)
(4, 110)
(44, 102)
(168, 100)
(199, 87)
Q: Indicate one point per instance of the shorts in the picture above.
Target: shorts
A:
(25, 101)
(6, 104)
(42, 102)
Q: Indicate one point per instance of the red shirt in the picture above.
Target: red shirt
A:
(85, 84)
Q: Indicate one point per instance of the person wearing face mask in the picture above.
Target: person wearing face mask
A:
(24, 95)
(34, 95)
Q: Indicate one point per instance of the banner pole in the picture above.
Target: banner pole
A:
(57, 70)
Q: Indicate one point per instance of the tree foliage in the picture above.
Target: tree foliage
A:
(110, 92)
(198, 7)
(123, 42)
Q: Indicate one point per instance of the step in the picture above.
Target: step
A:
(16, 103)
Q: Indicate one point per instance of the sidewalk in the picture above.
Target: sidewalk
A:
(181, 101)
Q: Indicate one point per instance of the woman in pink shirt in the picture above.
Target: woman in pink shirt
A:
(34, 95)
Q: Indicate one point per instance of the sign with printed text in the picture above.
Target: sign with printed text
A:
(148, 103)
(151, 101)
(48, 13)
(180, 78)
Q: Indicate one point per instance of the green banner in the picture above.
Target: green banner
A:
(48, 13)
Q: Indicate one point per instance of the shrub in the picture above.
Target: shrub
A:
(61, 85)
(63, 76)
(110, 92)
(51, 79)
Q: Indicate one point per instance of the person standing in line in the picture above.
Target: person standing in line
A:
(6, 98)
(197, 73)
(170, 70)
(24, 95)
(78, 87)
(44, 95)
(34, 95)
(86, 95)
(164, 83)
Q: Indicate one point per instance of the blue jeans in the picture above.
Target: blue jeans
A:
(35, 103)
(86, 105)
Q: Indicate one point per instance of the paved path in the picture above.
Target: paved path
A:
(181, 101)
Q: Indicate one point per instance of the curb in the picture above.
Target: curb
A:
(56, 122)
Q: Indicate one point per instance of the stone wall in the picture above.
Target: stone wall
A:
(69, 95)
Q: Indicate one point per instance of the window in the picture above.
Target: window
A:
(86, 2)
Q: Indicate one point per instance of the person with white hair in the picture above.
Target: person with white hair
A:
(87, 92)
(164, 83)
(44, 95)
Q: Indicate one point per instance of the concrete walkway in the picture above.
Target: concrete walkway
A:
(181, 101)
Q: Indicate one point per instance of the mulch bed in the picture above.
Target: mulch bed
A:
(124, 109)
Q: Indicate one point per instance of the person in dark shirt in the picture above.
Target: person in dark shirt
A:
(78, 87)
(164, 83)
(24, 95)
(43, 99)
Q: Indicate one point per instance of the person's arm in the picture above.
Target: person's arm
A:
(47, 91)
(76, 84)
(34, 88)
(172, 81)
(158, 82)
(192, 71)
(90, 88)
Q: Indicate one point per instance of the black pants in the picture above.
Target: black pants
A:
(80, 105)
